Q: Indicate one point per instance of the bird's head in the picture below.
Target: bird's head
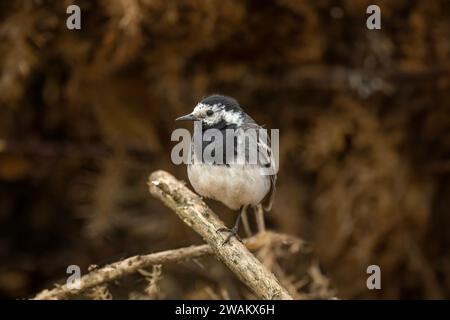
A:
(217, 111)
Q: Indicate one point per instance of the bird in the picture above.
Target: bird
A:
(237, 182)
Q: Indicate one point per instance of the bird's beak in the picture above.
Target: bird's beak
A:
(190, 117)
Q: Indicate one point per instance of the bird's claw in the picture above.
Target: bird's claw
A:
(232, 231)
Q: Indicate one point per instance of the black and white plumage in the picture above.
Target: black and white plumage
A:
(237, 184)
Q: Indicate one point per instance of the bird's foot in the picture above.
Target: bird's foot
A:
(232, 232)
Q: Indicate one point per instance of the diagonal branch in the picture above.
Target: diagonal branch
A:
(197, 215)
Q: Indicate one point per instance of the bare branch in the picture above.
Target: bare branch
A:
(132, 265)
(197, 215)
(194, 212)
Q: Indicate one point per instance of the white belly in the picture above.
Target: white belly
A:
(234, 186)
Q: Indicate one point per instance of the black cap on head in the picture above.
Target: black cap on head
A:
(229, 103)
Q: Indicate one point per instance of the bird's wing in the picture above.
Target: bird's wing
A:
(265, 151)
(265, 159)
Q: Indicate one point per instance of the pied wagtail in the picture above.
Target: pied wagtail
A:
(237, 184)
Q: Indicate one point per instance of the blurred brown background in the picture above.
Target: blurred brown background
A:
(364, 121)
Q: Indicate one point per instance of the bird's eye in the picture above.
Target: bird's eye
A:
(209, 113)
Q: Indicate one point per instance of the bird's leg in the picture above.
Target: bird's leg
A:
(233, 231)
(258, 209)
(245, 222)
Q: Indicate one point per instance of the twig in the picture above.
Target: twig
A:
(197, 215)
(132, 265)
